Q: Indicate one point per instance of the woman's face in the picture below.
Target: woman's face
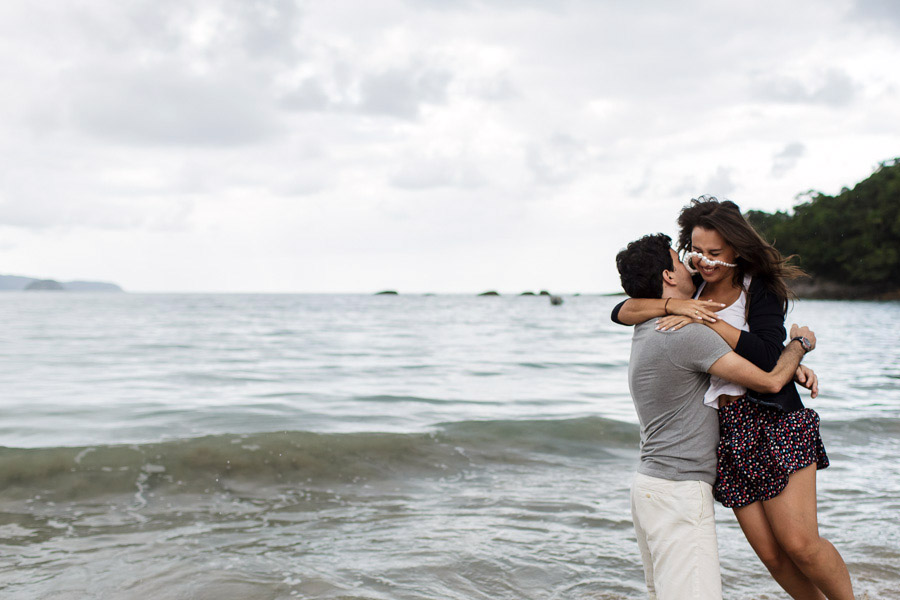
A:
(712, 245)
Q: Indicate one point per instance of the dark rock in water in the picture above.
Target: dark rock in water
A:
(556, 300)
(527, 294)
(44, 285)
(386, 293)
(575, 295)
(490, 293)
(544, 293)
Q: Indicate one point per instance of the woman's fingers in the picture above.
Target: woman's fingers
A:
(707, 310)
(699, 310)
(672, 322)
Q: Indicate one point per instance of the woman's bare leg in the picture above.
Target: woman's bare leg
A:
(792, 517)
(755, 525)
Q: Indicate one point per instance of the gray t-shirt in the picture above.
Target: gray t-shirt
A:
(667, 378)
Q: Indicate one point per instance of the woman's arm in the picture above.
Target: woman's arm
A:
(727, 332)
(762, 345)
(637, 310)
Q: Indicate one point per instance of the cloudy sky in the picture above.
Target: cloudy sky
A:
(419, 145)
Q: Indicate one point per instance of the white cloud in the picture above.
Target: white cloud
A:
(416, 144)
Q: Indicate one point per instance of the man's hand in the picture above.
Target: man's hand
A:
(808, 379)
(742, 372)
(797, 331)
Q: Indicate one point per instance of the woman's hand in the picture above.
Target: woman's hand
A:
(698, 310)
(808, 379)
(673, 322)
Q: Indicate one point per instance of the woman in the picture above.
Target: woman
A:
(770, 446)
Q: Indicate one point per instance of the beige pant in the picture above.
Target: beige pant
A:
(676, 532)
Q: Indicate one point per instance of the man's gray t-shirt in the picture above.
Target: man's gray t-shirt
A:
(667, 378)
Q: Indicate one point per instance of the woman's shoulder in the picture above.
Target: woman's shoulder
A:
(760, 290)
(762, 299)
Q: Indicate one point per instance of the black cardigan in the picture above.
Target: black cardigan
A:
(762, 345)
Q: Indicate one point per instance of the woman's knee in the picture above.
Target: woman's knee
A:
(802, 549)
(774, 558)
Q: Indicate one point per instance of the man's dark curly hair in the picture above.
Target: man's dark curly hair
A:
(641, 264)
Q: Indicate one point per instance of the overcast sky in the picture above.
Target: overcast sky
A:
(418, 145)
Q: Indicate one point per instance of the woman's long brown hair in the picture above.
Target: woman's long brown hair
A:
(756, 257)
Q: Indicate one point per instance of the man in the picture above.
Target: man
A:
(668, 373)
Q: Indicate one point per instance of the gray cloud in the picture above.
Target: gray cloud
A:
(834, 88)
(786, 160)
(220, 30)
(356, 120)
(309, 95)
(556, 161)
(401, 92)
(169, 106)
(438, 172)
(398, 92)
(720, 183)
(639, 189)
(880, 12)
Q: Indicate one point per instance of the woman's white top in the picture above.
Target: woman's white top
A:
(736, 316)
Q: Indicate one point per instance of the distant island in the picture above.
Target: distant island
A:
(849, 244)
(18, 283)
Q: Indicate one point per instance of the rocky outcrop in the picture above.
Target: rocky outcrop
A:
(44, 285)
(17, 283)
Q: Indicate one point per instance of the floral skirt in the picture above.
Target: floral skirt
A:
(759, 447)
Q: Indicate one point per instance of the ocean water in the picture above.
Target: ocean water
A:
(377, 447)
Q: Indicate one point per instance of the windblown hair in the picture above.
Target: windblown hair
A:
(641, 265)
(756, 257)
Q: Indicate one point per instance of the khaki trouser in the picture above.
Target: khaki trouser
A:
(676, 532)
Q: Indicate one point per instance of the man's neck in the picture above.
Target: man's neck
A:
(674, 294)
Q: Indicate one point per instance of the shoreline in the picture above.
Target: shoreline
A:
(810, 288)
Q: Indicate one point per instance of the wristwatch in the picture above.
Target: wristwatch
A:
(807, 345)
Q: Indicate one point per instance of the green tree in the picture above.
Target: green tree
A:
(853, 237)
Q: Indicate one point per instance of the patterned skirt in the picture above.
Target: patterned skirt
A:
(759, 447)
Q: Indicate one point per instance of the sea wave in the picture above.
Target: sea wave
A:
(303, 457)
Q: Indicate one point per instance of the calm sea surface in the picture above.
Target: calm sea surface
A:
(376, 447)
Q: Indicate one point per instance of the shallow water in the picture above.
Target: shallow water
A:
(228, 446)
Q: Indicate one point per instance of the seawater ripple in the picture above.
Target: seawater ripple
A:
(409, 447)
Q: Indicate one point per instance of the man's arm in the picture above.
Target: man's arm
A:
(741, 371)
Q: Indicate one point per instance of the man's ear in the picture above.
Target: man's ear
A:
(669, 278)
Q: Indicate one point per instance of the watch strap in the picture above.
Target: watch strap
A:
(805, 343)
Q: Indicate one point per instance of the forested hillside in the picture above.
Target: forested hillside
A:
(852, 239)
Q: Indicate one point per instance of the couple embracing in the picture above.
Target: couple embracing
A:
(720, 415)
